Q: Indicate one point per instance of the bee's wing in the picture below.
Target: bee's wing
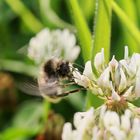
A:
(29, 87)
(50, 89)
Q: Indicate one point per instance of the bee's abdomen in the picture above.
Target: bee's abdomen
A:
(49, 69)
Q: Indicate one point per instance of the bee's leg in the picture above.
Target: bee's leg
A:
(67, 84)
(71, 91)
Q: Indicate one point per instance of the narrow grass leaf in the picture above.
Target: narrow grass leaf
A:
(51, 18)
(102, 28)
(83, 31)
(102, 31)
(18, 66)
(24, 13)
(129, 24)
(129, 8)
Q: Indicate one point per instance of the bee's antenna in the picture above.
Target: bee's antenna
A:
(78, 65)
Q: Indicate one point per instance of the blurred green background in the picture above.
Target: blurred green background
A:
(24, 117)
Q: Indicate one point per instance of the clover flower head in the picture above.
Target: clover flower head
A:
(103, 124)
(56, 43)
(116, 81)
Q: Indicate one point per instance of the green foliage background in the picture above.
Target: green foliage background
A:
(108, 24)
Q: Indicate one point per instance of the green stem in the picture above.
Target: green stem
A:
(47, 106)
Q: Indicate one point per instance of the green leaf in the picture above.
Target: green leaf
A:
(27, 122)
(50, 17)
(88, 8)
(102, 28)
(129, 8)
(76, 100)
(27, 17)
(102, 31)
(93, 100)
(129, 24)
(83, 31)
(18, 66)
(29, 115)
(14, 133)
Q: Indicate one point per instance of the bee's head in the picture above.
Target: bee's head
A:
(63, 69)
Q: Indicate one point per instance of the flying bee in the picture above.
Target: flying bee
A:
(54, 79)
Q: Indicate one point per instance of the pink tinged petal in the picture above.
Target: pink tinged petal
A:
(77, 76)
(97, 134)
(104, 79)
(137, 86)
(129, 93)
(117, 133)
(115, 95)
(81, 80)
(67, 132)
(117, 77)
(136, 125)
(133, 65)
(123, 81)
(99, 61)
(136, 59)
(88, 71)
(129, 67)
(110, 119)
(84, 117)
(113, 63)
(125, 120)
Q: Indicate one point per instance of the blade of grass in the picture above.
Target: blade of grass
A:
(88, 8)
(131, 27)
(102, 28)
(102, 31)
(18, 66)
(24, 13)
(50, 17)
(129, 8)
(83, 32)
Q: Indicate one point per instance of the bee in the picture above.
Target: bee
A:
(54, 77)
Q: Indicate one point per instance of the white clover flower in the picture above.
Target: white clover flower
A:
(99, 61)
(102, 124)
(125, 120)
(56, 43)
(110, 119)
(83, 124)
(67, 132)
(80, 79)
(117, 80)
(85, 78)
(104, 79)
(117, 133)
(123, 81)
(115, 95)
(88, 71)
